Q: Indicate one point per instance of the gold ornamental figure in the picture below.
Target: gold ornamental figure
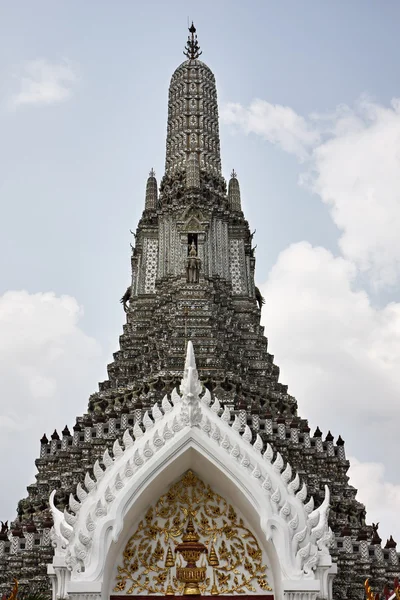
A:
(190, 548)
(169, 563)
(213, 561)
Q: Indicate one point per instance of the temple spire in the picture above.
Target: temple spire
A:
(192, 48)
(192, 127)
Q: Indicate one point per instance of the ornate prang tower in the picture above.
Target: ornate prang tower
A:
(193, 270)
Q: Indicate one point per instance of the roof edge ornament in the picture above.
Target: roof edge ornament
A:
(192, 48)
(190, 389)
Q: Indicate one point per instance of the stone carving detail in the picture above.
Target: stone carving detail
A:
(235, 267)
(151, 266)
(192, 265)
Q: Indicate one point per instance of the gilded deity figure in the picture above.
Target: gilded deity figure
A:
(192, 265)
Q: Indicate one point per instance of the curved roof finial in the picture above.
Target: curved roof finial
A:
(192, 48)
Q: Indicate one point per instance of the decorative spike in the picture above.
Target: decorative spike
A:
(70, 519)
(89, 483)
(285, 510)
(258, 444)
(65, 531)
(226, 415)
(216, 406)
(302, 493)
(137, 459)
(247, 434)
(309, 506)
(109, 496)
(299, 537)
(100, 510)
(127, 439)
(81, 553)
(313, 519)
(175, 397)
(81, 493)
(107, 460)
(206, 425)
(268, 454)
(117, 450)
(167, 433)
(236, 424)
(147, 422)
(119, 484)
(128, 469)
(294, 523)
(90, 524)
(245, 462)
(278, 462)
(235, 452)
(147, 451)
(256, 472)
(287, 473)
(293, 486)
(156, 413)
(303, 553)
(226, 443)
(276, 496)
(166, 405)
(176, 425)
(137, 431)
(215, 433)
(98, 471)
(206, 398)
(158, 442)
(74, 504)
(84, 539)
(267, 484)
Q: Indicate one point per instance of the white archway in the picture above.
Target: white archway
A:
(191, 434)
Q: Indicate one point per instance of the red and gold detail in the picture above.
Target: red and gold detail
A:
(192, 524)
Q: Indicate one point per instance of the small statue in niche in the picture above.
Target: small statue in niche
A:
(192, 265)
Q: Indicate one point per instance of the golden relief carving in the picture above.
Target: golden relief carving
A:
(231, 560)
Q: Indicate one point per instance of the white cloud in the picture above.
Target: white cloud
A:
(340, 356)
(43, 82)
(48, 368)
(381, 497)
(278, 124)
(354, 167)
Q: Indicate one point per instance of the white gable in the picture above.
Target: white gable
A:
(176, 435)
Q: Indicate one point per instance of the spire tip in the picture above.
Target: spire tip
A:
(192, 48)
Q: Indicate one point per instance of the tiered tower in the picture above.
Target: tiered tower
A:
(193, 271)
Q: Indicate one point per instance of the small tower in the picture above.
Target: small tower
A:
(151, 192)
(234, 192)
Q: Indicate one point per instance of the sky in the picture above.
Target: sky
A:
(309, 100)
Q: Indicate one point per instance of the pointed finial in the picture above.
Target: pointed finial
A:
(152, 173)
(169, 561)
(190, 389)
(233, 174)
(213, 560)
(190, 534)
(192, 49)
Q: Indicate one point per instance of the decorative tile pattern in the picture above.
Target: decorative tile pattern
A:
(236, 275)
(151, 266)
